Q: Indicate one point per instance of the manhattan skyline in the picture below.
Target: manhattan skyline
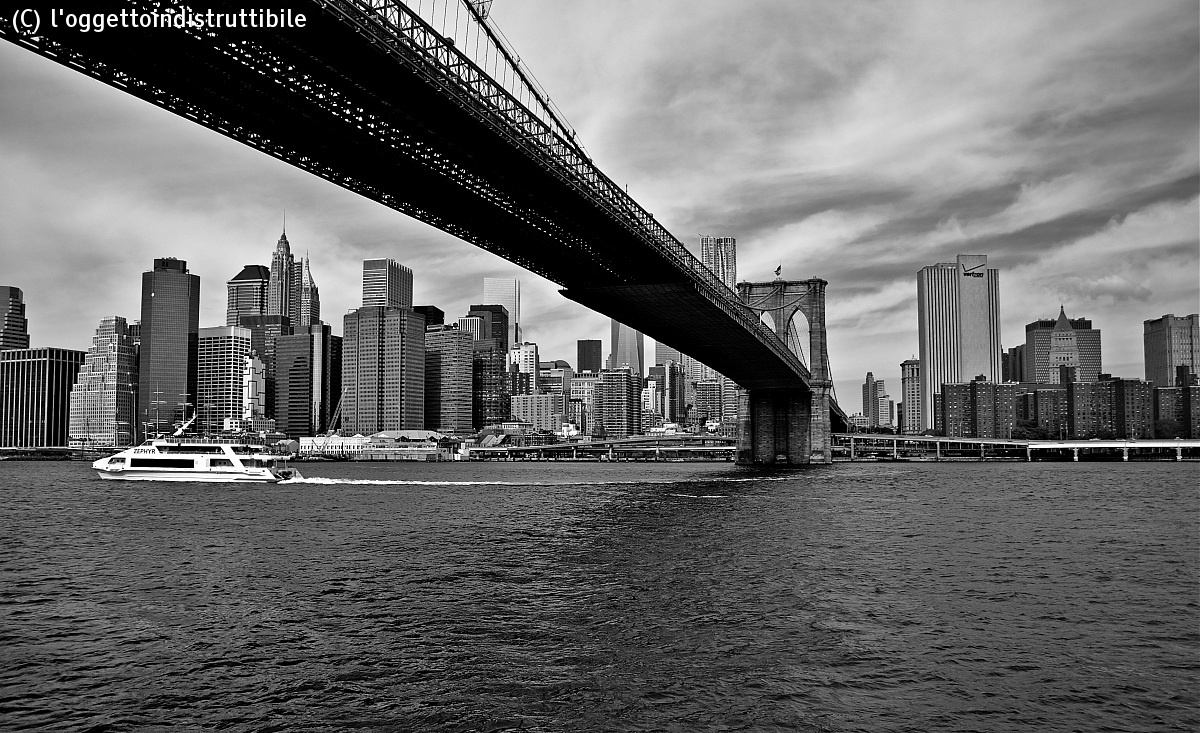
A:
(857, 145)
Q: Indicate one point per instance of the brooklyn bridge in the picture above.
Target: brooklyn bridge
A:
(424, 108)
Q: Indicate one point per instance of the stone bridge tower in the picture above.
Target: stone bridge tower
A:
(788, 425)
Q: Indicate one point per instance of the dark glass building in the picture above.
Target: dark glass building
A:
(308, 380)
(589, 353)
(246, 294)
(170, 327)
(35, 396)
(14, 328)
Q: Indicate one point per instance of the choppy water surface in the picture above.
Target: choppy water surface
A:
(584, 597)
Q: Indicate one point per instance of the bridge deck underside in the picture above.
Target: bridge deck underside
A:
(325, 99)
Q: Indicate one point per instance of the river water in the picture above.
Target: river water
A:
(605, 597)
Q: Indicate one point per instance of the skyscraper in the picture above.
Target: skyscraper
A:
(309, 313)
(448, 396)
(589, 355)
(224, 388)
(246, 294)
(169, 342)
(14, 328)
(383, 370)
(387, 284)
(669, 378)
(308, 381)
(283, 286)
(491, 403)
(524, 357)
(719, 254)
(664, 353)
(494, 324)
(472, 325)
(35, 396)
(618, 404)
(104, 398)
(910, 389)
(958, 319)
(506, 292)
(628, 350)
(876, 402)
(1053, 343)
(1168, 343)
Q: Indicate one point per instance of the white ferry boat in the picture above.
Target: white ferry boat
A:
(196, 459)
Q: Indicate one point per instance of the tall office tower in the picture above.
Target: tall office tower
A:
(35, 396)
(729, 399)
(309, 312)
(617, 412)
(265, 331)
(958, 319)
(387, 284)
(506, 292)
(1016, 364)
(669, 377)
(1170, 342)
(664, 353)
(491, 402)
(448, 364)
(434, 316)
(628, 349)
(221, 379)
(1052, 343)
(308, 381)
(877, 403)
(104, 398)
(283, 287)
(589, 353)
(246, 294)
(472, 325)
(524, 357)
(170, 327)
(719, 254)
(383, 370)
(870, 400)
(14, 328)
(910, 389)
(494, 324)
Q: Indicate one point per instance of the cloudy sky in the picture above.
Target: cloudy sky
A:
(857, 142)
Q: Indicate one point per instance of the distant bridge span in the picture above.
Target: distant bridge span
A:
(373, 97)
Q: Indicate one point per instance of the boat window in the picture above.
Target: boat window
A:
(220, 463)
(116, 461)
(147, 462)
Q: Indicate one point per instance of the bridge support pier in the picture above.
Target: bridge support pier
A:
(785, 427)
(788, 426)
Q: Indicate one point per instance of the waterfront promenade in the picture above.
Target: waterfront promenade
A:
(874, 446)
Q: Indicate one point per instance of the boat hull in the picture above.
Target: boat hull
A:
(191, 476)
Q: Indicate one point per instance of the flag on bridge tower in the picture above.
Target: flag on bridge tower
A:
(778, 270)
